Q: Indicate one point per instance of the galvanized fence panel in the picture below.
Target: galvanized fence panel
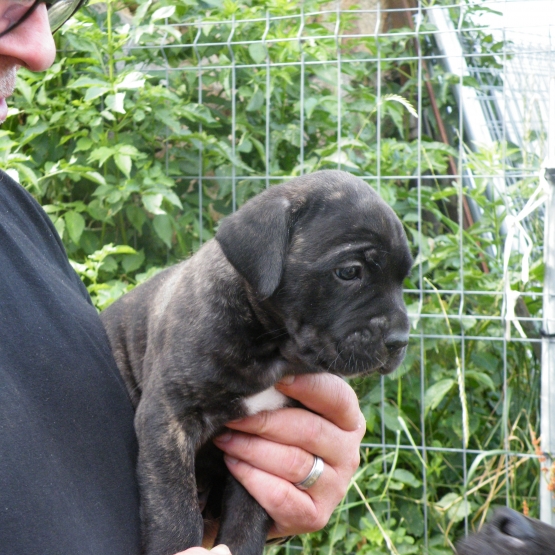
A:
(458, 425)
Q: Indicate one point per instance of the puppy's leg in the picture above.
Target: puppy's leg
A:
(170, 514)
(244, 524)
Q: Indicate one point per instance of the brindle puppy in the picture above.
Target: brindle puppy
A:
(510, 533)
(306, 277)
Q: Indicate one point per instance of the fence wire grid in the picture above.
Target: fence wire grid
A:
(444, 110)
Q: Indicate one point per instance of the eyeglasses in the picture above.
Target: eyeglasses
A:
(15, 12)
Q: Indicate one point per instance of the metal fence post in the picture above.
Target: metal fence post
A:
(547, 501)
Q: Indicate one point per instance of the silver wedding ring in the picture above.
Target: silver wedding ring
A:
(313, 475)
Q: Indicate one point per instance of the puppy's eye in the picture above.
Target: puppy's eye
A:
(348, 273)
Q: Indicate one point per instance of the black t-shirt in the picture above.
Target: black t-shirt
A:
(67, 445)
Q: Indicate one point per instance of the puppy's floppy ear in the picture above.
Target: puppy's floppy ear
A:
(255, 240)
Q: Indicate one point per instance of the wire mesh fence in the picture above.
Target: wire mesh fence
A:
(441, 108)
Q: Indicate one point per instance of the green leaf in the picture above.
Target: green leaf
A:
(258, 52)
(435, 393)
(123, 162)
(198, 113)
(456, 507)
(163, 228)
(87, 82)
(414, 519)
(24, 88)
(101, 154)
(95, 177)
(133, 80)
(153, 203)
(256, 102)
(309, 104)
(83, 144)
(136, 216)
(34, 131)
(406, 477)
(481, 377)
(75, 224)
(133, 262)
(129, 150)
(163, 13)
(115, 102)
(95, 92)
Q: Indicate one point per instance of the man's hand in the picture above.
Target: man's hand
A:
(271, 451)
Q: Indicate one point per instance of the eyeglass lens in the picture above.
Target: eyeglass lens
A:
(12, 12)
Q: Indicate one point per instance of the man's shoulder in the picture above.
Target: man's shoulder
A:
(28, 236)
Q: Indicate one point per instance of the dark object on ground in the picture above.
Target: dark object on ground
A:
(306, 277)
(510, 533)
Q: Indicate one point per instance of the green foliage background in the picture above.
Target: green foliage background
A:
(136, 161)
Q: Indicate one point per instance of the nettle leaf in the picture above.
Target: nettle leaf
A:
(75, 224)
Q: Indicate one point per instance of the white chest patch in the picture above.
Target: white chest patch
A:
(269, 399)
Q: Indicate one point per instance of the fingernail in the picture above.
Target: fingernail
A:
(287, 380)
(224, 438)
(238, 419)
(230, 460)
(221, 550)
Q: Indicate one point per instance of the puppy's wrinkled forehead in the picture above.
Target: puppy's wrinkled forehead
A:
(348, 211)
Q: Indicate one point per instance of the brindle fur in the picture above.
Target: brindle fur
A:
(258, 302)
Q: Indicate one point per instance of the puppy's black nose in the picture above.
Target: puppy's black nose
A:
(511, 523)
(396, 340)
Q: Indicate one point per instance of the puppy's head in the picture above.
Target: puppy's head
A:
(510, 533)
(329, 256)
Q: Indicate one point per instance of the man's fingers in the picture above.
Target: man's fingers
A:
(299, 428)
(290, 463)
(294, 510)
(327, 395)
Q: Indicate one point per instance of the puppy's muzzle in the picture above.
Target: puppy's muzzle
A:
(380, 346)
